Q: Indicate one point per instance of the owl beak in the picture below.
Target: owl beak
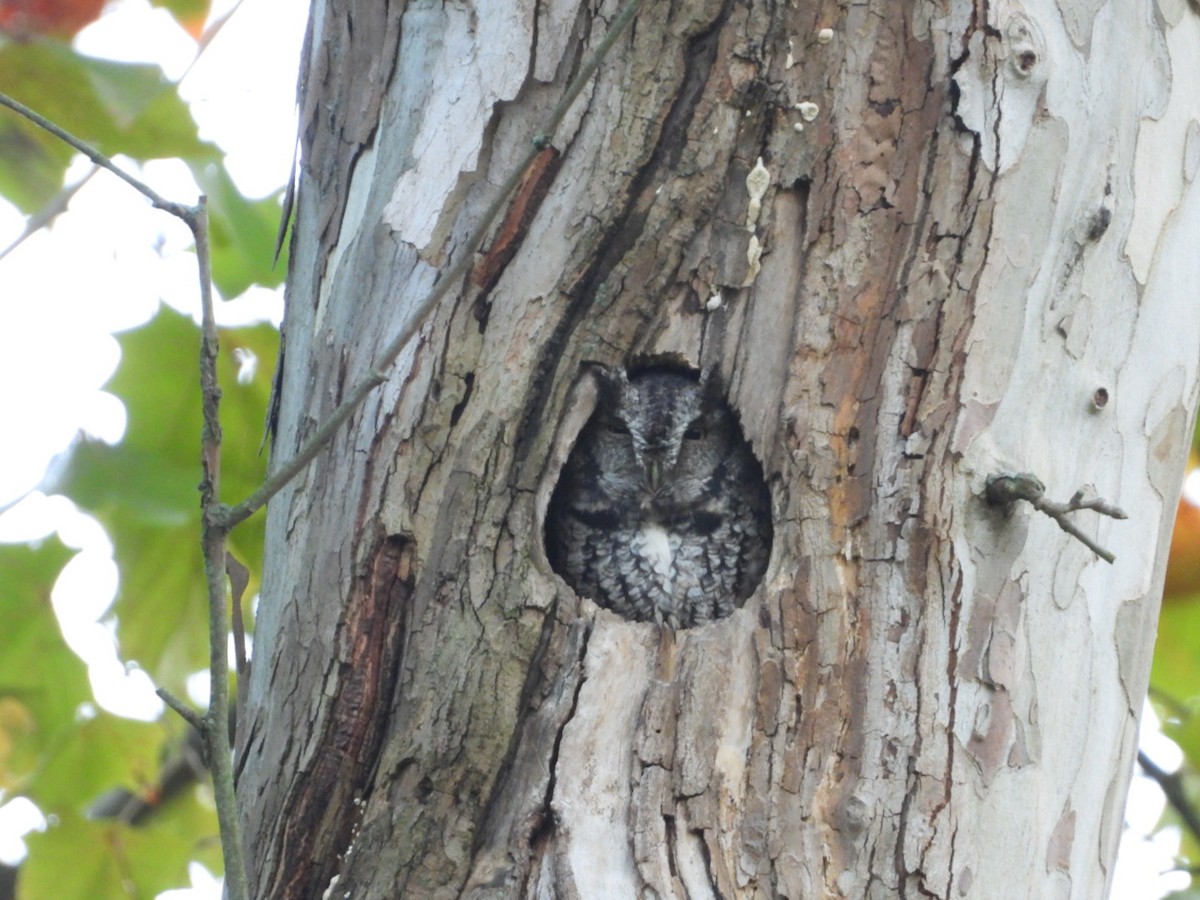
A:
(654, 470)
(656, 463)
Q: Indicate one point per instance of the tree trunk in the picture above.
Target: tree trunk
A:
(974, 256)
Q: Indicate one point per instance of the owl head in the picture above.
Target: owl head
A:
(669, 424)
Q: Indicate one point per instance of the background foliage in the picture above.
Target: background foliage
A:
(125, 801)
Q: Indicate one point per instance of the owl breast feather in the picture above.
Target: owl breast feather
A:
(653, 544)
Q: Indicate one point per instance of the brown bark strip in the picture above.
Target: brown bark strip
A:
(324, 811)
(524, 206)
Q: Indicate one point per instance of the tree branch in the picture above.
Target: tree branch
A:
(1004, 490)
(43, 217)
(212, 540)
(185, 712)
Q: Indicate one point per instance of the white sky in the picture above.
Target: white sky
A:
(242, 94)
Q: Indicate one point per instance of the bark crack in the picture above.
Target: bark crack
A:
(625, 228)
(322, 816)
(552, 783)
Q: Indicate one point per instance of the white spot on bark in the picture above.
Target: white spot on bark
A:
(753, 255)
(808, 110)
(756, 183)
(1017, 93)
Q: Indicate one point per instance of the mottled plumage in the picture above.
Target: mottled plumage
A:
(661, 512)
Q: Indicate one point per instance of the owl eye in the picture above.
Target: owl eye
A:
(616, 426)
(694, 433)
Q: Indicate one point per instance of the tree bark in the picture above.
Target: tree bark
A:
(973, 256)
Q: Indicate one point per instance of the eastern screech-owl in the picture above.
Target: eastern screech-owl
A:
(661, 512)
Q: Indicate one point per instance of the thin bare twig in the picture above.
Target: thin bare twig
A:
(234, 515)
(1171, 784)
(176, 209)
(212, 539)
(1003, 490)
(44, 216)
(185, 712)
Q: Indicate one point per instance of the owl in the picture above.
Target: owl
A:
(661, 512)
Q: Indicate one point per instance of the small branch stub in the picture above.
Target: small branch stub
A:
(188, 714)
(1004, 490)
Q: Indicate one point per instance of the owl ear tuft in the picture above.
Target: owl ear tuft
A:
(611, 383)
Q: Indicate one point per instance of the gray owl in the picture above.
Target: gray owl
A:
(661, 512)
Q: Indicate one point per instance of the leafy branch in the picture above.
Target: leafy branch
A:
(212, 725)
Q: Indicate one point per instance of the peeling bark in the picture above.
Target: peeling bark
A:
(957, 249)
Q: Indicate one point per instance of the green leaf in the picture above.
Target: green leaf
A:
(128, 108)
(1174, 668)
(98, 753)
(32, 161)
(133, 110)
(242, 234)
(1187, 840)
(42, 683)
(62, 760)
(78, 859)
(1174, 674)
(72, 858)
(144, 490)
(161, 606)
